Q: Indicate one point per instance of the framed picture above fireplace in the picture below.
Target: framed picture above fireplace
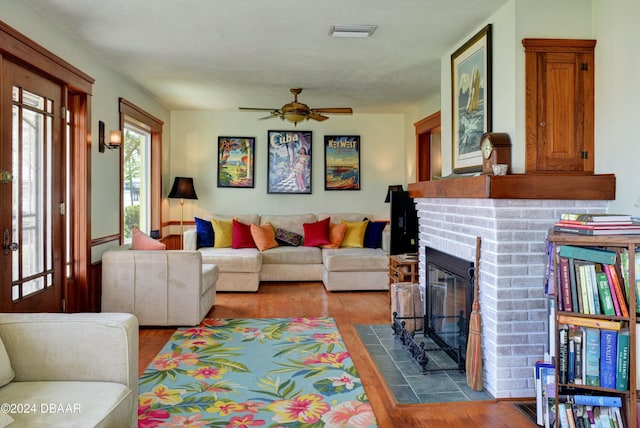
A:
(470, 100)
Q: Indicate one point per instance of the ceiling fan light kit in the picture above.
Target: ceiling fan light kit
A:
(295, 111)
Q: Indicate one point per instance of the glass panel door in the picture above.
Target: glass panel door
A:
(32, 246)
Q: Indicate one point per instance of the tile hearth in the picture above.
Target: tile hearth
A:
(403, 376)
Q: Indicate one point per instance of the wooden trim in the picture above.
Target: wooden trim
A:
(20, 48)
(127, 108)
(423, 129)
(520, 186)
(428, 123)
(135, 112)
(558, 45)
(105, 239)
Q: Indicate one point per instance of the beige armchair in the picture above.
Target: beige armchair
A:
(161, 288)
(69, 370)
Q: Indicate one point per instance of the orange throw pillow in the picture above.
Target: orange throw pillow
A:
(263, 236)
(336, 235)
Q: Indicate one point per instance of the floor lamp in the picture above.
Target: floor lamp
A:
(182, 189)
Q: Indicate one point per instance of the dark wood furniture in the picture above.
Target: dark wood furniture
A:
(611, 242)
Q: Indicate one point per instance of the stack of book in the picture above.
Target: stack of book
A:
(597, 224)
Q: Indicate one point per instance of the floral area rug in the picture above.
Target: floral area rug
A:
(241, 373)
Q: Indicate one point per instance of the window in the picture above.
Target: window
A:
(141, 175)
(136, 167)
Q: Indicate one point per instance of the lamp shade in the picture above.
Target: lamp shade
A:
(183, 189)
(392, 188)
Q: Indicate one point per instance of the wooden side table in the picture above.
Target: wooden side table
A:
(403, 268)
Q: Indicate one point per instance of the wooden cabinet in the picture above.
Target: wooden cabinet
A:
(559, 103)
(578, 320)
(403, 268)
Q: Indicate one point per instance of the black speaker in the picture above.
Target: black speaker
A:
(403, 224)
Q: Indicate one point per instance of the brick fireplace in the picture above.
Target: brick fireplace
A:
(513, 306)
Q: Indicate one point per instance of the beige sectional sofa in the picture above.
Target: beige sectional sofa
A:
(242, 269)
(159, 287)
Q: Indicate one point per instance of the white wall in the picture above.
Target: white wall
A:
(516, 20)
(617, 88)
(194, 153)
(109, 86)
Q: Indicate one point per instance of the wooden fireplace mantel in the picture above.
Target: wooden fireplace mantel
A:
(519, 186)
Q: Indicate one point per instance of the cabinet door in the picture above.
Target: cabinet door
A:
(559, 108)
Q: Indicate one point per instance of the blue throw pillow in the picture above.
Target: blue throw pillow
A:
(373, 234)
(204, 230)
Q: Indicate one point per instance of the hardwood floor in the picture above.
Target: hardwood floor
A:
(304, 299)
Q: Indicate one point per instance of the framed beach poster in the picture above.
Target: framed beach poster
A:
(289, 162)
(470, 100)
(236, 161)
(341, 162)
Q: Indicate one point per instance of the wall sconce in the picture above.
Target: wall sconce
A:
(115, 138)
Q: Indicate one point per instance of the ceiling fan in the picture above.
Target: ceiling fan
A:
(296, 111)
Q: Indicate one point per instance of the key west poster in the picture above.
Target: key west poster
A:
(342, 162)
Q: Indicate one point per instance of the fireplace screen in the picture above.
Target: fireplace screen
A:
(449, 294)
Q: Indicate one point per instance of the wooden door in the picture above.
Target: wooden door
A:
(559, 106)
(31, 214)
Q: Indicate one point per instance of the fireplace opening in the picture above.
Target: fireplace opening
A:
(447, 302)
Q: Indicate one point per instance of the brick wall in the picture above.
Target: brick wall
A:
(513, 306)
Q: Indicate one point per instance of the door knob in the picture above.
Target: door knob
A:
(7, 245)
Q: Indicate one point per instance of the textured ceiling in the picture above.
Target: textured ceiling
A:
(224, 54)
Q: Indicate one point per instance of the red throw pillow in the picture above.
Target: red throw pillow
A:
(242, 235)
(316, 234)
(142, 241)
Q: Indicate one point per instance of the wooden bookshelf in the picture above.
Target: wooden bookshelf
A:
(617, 243)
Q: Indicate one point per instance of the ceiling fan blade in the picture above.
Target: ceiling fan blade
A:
(272, 115)
(316, 116)
(257, 109)
(346, 110)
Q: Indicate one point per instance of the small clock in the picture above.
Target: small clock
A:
(496, 149)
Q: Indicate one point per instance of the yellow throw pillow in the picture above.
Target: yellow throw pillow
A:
(264, 236)
(223, 233)
(354, 236)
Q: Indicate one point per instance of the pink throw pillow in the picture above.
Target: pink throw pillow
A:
(241, 235)
(142, 241)
(316, 234)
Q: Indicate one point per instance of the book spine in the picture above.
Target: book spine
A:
(618, 289)
(590, 273)
(592, 357)
(582, 285)
(565, 284)
(588, 254)
(608, 351)
(606, 301)
(575, 296)
(589, 322)
(579, 361)
(571, 363)
(597, 400)
(563, 354)
(622, 361)
(586, 284)
(616, 305)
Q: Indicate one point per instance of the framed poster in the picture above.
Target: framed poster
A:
(470, 100)
(289, 164)
(236, 161)
(342, 162)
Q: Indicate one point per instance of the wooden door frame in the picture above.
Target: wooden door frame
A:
(424, 128)
(20, 49)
